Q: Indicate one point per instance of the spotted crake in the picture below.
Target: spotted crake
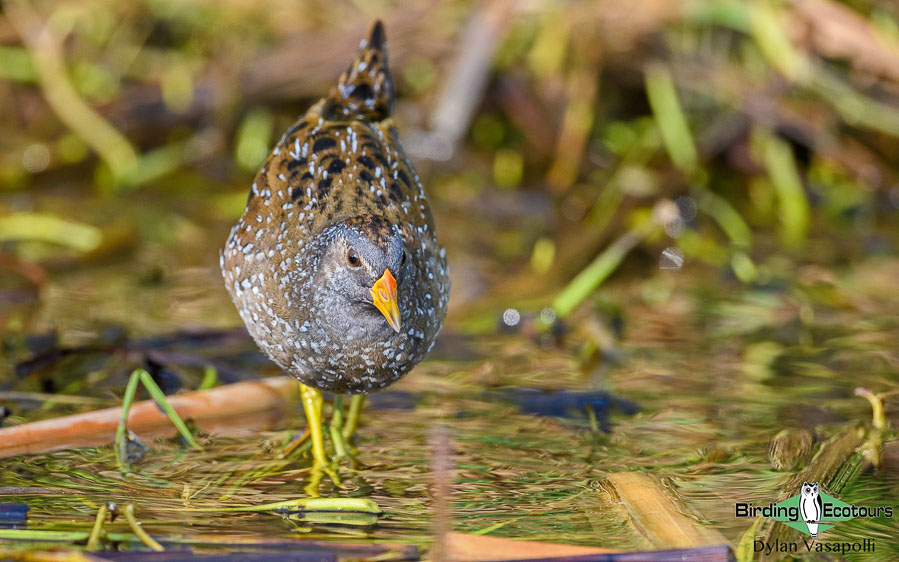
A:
(335, 266)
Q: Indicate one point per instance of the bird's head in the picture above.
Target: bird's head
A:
(362, 265)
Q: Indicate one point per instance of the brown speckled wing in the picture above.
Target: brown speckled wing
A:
(333, 170)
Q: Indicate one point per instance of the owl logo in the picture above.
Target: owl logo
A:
(810, 507)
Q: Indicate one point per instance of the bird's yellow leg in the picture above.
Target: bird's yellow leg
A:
(312, 405)
(341, 431)
(352, 420)
(336, 429)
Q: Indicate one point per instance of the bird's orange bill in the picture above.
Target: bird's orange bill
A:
(383, 294)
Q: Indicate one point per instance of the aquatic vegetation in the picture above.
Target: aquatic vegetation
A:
(672, 233)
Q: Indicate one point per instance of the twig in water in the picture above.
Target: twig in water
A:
(872, 448)
(225, 405)
(139, 531)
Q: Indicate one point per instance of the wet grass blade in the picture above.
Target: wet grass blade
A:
(342, 511)
(794, 209)
(670, 118)
(121, 436)
(724, 214)
(160, 399)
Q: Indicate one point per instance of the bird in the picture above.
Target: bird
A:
(334, 266)
(810, 506)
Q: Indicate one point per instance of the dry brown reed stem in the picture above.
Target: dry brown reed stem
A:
(836, 31)
(658, 515)
(466, 81)
(582, 89)
(230, 405)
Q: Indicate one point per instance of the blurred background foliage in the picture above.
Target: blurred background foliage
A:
(555, 137)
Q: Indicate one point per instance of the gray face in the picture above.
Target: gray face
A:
(352, 262)
(337, 296)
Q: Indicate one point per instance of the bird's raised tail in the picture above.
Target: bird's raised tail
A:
(365, 89)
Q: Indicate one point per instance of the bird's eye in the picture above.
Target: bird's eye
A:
(353, 258)
(405, 256)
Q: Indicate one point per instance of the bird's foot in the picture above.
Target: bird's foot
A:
(315, 478)
(335, 429)
(338, 431)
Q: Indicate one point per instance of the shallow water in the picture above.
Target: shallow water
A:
(716, 368)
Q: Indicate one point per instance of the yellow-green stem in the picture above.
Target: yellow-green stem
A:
(93, 542)
(144, 537)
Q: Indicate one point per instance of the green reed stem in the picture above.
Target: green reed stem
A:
(121, 443)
